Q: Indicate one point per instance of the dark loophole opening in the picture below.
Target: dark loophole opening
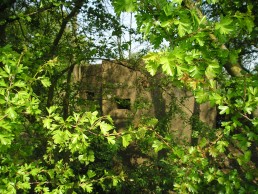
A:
(90, 95)
(123, 103)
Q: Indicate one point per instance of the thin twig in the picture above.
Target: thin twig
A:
(3, 117)
(161, 138)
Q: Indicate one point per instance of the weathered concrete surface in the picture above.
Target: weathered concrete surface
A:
(111, 82)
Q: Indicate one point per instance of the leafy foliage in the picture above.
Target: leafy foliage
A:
(50, 142)
(203, 54)
(55, 155)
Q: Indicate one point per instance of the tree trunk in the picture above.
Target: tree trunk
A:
(66, 101)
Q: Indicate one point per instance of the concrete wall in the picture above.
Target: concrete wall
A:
(111, 83)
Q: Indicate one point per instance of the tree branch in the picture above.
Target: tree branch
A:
(10, 20)
(77, 7)
(66, 100)
(6, 4)
(234, 70)
(53, 49)
(53, 85)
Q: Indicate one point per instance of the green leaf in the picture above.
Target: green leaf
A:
(146, 28)
(151, 57)
(249, 176)
(213, 83)
(7, 69)
(19, 84)
(5, 125)
(168, 11)
(166, 23)
(152, 122)
(192, 150)
(182, 28)
(124, 6)
(2, 101)
(111, 139)
(213, 152)
(88, 187)
(195, 72)
(51, 109)
(157, 145)
(249, 24)
(47, 123)
(170, 7)
(2, 83)
(91, 156)
(212, 70)
(86, 158)
(35, 171)
(115, 181)
(221, 180)
(45, 81)
(23, 186)
(191, 188)
(126, 139)
(247, 156)
(209, 177)
(233, 56)
(201, 96)
(152, 67)
(109, 118)
(180, 71)
(11, 113)
(221, 146)
(92, 116)
(167, 67)
(76, 117)
(58, 137)
(248, 110)
(216, 98)
(212, 1)
(200, 41)
(224, 26)
(6, 139)
(253, 90)
(203, 142)
(105, 127)
(184, 24)
(91, 174)
(224, 109)
(210, 73)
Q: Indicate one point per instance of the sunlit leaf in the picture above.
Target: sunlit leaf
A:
(224, 109)
(224, 26)
(126, 139)
(105, 127)
(111, 139)
(11, 112)
(45, 81)
(91, 173)
(124, 6)
(157, 145)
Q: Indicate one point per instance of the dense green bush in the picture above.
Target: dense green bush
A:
(49, 143)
